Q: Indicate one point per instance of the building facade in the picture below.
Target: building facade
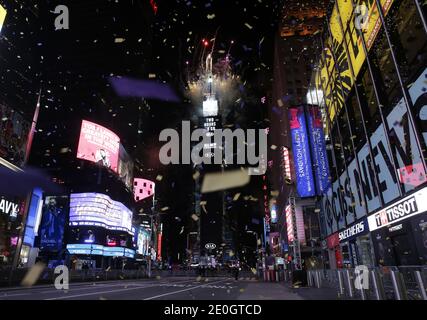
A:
(297, 226)
(370, 82)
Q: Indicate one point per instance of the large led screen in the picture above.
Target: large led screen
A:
(301, 151)
(98, 144)
(53, 223)
(318, 147)
(96, 209)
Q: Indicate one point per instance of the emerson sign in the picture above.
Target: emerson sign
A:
(405, 208)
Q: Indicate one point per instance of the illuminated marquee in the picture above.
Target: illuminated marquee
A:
(286, 165)
(96, 209)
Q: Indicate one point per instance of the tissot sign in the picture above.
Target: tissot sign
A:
(405, 208)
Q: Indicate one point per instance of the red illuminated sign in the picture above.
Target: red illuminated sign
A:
(98, 144)
(289, 224)
(159, 247)
(154, 6)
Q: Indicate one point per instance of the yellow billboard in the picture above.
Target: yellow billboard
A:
(3, 13)
(346, 44)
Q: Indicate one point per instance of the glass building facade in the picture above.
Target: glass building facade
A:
(370, 79)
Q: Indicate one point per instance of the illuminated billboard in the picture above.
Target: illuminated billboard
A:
(98, 144)
(96, 209)
(318, 147)
(99, 250)
(143, 188)
(344, 18)
(210, 108)
(142, 241)
(301, 151)
(53, 223)
(3, 13)
(125, 168)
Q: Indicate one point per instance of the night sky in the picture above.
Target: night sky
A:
(127, 38)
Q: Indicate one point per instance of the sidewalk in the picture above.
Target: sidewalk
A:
(282, 291)
(268, 291)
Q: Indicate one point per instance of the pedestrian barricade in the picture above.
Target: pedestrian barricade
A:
(385, 283)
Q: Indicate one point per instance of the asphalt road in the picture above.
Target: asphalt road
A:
(170, 288)
(147, 289)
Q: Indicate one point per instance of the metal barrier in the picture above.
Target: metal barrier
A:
(386, 283)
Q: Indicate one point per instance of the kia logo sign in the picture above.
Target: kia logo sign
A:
(210, 246)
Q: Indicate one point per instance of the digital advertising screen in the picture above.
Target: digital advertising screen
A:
(301, 151)
(52, 224)
(126, 165)
(96, 209)
(318, 145)
(98, 144)
(143, 241)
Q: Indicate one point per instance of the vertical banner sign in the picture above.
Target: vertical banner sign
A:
(318, 147)
(303, 170)
(289, 224)
(159, 247)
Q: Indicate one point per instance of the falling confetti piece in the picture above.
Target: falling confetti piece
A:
(159, 178)
(224, 180)
(274, 193)
(211, 16)
(195, 217)
(273, 147)
(119, 40)
(33, 274)
(236, 197)
(248, 26)
(196, 175)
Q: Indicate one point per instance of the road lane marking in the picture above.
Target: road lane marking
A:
(103, 292)
(179, 291)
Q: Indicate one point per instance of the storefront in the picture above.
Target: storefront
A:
(356, 245)
(399, 231)
(10, 220)
(335, 254)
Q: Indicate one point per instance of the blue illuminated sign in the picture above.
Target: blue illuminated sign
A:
(99, 250)
(320, 157)
(301, 151)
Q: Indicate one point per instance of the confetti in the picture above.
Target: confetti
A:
(33, 274)
(224, 180)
